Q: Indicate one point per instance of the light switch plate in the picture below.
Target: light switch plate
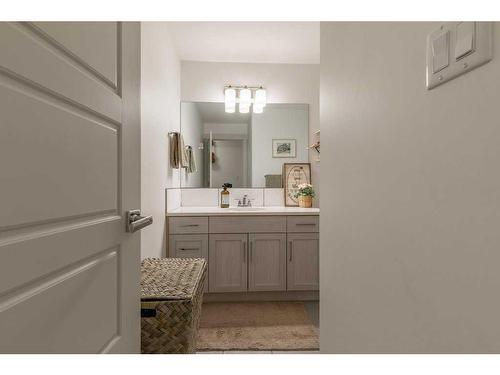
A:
(466, 53)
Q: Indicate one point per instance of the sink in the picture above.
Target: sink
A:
(247, 209)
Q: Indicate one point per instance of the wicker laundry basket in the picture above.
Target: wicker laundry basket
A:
(171, 298)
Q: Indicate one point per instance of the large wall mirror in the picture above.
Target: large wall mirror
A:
(246, 150)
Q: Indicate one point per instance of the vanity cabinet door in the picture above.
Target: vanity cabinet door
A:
(228, 259)
(267, 262)
(303, 261)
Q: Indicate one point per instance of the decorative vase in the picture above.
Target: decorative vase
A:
(305, 201)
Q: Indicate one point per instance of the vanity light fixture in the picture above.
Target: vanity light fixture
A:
(243, 96)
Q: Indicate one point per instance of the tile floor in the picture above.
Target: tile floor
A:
(312, 309)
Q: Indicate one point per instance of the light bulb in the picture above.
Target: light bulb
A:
(230, 100)
(245, 97)
(260, 97)
(245, 100)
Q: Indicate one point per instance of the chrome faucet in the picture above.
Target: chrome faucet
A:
(245, 203)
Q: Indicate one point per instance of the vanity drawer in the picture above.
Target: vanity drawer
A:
(188, 225)
(303, 224)
(247, 224)
(188, 246)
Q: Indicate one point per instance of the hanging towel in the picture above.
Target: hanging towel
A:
(183, 160)
(178, 157)
(173, 139)
(191, 160)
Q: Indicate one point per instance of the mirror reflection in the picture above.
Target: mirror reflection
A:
(243, 149)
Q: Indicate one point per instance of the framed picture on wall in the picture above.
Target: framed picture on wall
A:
(295, 174)
(284, 148)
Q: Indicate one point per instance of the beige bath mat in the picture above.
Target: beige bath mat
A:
(256, 326)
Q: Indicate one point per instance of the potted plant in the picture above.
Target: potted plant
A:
(305, 194)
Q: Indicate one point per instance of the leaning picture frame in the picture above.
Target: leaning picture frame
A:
(294, 174)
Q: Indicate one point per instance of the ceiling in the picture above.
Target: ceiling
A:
(248, 42)
(214, 113)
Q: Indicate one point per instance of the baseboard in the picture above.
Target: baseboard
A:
(261, 296)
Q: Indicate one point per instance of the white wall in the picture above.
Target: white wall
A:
(192, 132)
(277, 122)
(411, 194)
(160, 97)
(285, 83)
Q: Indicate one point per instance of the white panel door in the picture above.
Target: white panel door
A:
(69, 169)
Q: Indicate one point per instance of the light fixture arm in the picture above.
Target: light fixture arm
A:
(239, 87)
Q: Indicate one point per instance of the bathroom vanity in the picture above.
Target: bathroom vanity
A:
(264, 252)
(253, 253)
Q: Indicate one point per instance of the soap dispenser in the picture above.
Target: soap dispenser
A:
(224, 195)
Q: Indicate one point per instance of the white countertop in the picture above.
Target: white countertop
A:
(241, 211)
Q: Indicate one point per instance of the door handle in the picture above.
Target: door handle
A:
(251, 250)
(136, 222)
(291, 252)
(244, 251)
(189, 248)
(306, 224)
